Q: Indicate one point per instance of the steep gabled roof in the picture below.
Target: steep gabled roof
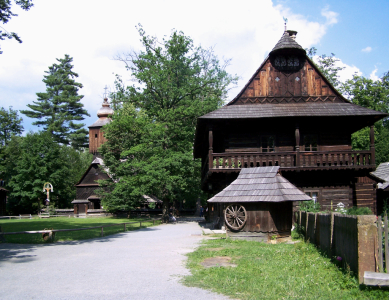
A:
(95, 162)
(262, 184)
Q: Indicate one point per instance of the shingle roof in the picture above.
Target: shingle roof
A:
(262, 184)
(253, 111)
(100, 122)
(287, 42)
(80, 202)
(382, 172)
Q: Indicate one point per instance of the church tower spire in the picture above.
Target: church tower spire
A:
(96, 135)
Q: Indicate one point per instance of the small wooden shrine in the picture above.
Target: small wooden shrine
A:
(258, 204)
(289, 115)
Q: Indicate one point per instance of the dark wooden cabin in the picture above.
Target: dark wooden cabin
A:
(258, 204)
(86, 196)
(289, 115)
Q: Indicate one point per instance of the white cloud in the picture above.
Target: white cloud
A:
(367, 49)
(331, 17)
(373, 75)
(347, 72)
(93, 32)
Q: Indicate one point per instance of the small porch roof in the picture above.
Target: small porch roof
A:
(82, 201)
(262, 184)
(382, 174)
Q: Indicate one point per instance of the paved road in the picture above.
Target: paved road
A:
(144, 264)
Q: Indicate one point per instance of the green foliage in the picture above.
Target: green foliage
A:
(327, 66)
(150, 139)
(266, 271)
(60, 105)
(374, 95)
(356, 211)
(10, 124)
(35, 159)
(6, 14)
(310, 206)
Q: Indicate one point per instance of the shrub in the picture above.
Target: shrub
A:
(310, 206)
(356, 211)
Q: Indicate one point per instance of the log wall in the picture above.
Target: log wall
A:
(269, 82)
(96, 139)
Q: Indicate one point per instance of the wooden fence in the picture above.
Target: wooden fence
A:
(383, 243)
(352, 240)
(51, 231)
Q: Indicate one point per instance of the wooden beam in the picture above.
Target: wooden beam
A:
(210, 141)
(297, 136)
(376, 279)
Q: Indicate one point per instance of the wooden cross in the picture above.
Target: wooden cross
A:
(105, 93)
(48, 187)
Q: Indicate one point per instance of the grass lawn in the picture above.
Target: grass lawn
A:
(280, 271)
(15, 225)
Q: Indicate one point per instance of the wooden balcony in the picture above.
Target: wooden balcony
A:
(303, 160)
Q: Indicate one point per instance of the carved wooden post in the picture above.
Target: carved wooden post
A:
(297, 135)
(372, 147)
(210, 158)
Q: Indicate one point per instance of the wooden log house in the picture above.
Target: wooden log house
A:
(86, 196)
(289, 115)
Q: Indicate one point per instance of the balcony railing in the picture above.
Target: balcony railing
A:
(291, 160)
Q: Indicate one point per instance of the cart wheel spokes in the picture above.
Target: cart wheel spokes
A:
(235, 216)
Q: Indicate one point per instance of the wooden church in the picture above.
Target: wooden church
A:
(290, 116)
(87, 200)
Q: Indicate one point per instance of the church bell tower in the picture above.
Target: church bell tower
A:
(96, 135)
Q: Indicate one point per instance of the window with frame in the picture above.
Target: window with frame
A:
(268, 143)
(310, 142)
(314, 194)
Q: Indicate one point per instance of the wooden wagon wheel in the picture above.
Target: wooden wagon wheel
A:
(235, 216)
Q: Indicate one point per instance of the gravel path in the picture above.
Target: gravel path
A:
(143, 264)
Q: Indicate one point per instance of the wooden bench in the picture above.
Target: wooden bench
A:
(25, 216)
(44, 215)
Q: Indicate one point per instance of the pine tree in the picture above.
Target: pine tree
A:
(60, 105)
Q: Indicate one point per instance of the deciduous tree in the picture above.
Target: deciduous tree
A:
(10, 124)
(36, 159)
(150, 140)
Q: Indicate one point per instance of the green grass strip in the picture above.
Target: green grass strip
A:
(15, 225)
(280, 271)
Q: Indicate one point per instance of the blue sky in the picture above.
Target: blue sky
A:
(94, 31)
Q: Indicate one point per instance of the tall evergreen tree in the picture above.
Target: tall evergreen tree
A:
(60, 105)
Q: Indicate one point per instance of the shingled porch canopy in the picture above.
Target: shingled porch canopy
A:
(262, 184)
(258, 204)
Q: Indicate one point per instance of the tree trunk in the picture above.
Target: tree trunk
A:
(165, 211)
